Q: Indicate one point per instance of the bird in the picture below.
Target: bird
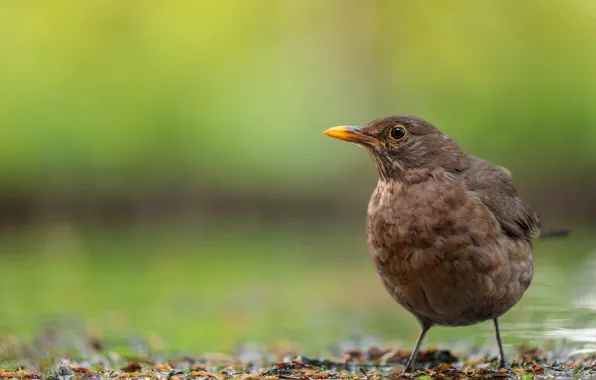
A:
(448, 235)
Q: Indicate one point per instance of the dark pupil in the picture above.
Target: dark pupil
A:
(398, 133)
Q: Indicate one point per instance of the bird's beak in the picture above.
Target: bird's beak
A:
(349, 133)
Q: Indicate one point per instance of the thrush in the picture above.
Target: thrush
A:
(448, 235)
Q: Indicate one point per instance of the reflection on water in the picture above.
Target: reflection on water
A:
(209, 290)
(578, 329)
(587, 335)
(585, 281)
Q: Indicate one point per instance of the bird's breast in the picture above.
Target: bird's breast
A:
(431, 216)
(441, 253)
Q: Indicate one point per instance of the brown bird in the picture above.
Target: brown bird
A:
(448, 235)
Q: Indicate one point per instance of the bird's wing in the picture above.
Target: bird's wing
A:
(493, 187)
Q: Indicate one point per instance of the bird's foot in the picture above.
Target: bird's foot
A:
(409, 368)
(502, 364)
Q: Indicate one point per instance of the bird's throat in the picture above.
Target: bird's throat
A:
(387, 170)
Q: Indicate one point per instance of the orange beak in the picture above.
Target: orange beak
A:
(349, 133)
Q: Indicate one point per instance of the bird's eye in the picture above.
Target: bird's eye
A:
(397, 132)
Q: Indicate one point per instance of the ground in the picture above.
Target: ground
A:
(280, 362)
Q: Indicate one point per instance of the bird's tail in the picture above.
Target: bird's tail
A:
(551, 232)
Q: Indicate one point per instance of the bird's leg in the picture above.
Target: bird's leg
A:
(412, 360)
(501, 354)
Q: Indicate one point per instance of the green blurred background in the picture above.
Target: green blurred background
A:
(163, 173)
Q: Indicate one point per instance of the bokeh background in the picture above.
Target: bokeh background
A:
(163, 174)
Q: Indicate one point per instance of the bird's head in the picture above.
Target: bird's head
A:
(401, 143)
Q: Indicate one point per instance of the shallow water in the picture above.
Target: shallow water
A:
(210, 289)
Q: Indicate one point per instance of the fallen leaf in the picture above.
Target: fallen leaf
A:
(161, 368)
(131, 367)
(80, 369)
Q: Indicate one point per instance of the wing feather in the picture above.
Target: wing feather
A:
(492, 184)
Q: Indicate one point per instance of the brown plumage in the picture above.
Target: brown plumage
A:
(448, 235)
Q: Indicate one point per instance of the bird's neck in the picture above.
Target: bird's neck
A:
(409, 170)
(408, 177)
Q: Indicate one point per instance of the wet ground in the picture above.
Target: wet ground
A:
(375, 363)
(74, 354)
